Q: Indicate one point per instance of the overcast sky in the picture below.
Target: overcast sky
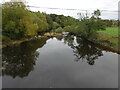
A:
(73, 4)
(76, 4)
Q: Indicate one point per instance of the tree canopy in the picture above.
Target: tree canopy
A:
(20, 22)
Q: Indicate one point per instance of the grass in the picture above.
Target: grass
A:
(111, 31)
(110, 36)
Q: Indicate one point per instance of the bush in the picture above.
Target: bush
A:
(70, 29)
(59, 30)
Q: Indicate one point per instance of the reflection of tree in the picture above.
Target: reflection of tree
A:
(59, 38)
(19, 60)
(69, 40)
(85, 50)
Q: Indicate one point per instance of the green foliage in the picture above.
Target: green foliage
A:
(49, 21)
(40, 19)
(29, 24)
(59, 30)
(63, 20)
(11, 17)
(18, 22)
(88, 27)
(97, 13)
(55, 25)
(111, 23)
(0, 16)
(110, 36)
(70, 29)
(81, 29)
(111, 31)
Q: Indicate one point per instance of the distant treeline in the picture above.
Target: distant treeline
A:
(112, 23)
(19, 22)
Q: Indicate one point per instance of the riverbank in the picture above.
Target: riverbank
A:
(12, 42)
(106, 47)
(108, 39)
(7, 42)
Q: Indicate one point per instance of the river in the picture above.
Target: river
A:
(59, 62)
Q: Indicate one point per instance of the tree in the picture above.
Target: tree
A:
(18, 22)
(87, 27)
(97, 13)
(70, 29)
(41, 21)
(59, 30)
(14, 3)
(49, 21)
(28, 24)
(0, 20)
(55, 25)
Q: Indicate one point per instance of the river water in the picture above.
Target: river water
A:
(62, 62)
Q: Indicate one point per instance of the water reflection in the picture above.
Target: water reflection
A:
(83, 50)
(55, 66)
(20, 60)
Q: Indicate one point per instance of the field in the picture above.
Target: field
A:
(111, 31)
(109, 36)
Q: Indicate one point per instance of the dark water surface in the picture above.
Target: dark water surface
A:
(64, 62)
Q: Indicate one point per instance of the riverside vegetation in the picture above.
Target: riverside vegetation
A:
(20, 24)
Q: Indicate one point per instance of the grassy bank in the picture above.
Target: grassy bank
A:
(109, 38)
(12, 42)
(111, 31)
(106, 39)
(6, 41)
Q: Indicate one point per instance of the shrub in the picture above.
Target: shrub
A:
(59, 30)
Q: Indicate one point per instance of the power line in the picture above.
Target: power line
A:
(55, 8)
(68, 9)
(87, 11)
(71, 9)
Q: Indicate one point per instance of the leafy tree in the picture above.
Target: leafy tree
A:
(18, 22)
(87, 27)
(55, 25)
(41, 21)
(49, 21)
(59, 30)
(0, 22)
(70, 29)
(29, 24)
(97, 13)
(14, 3)
(64, 20)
